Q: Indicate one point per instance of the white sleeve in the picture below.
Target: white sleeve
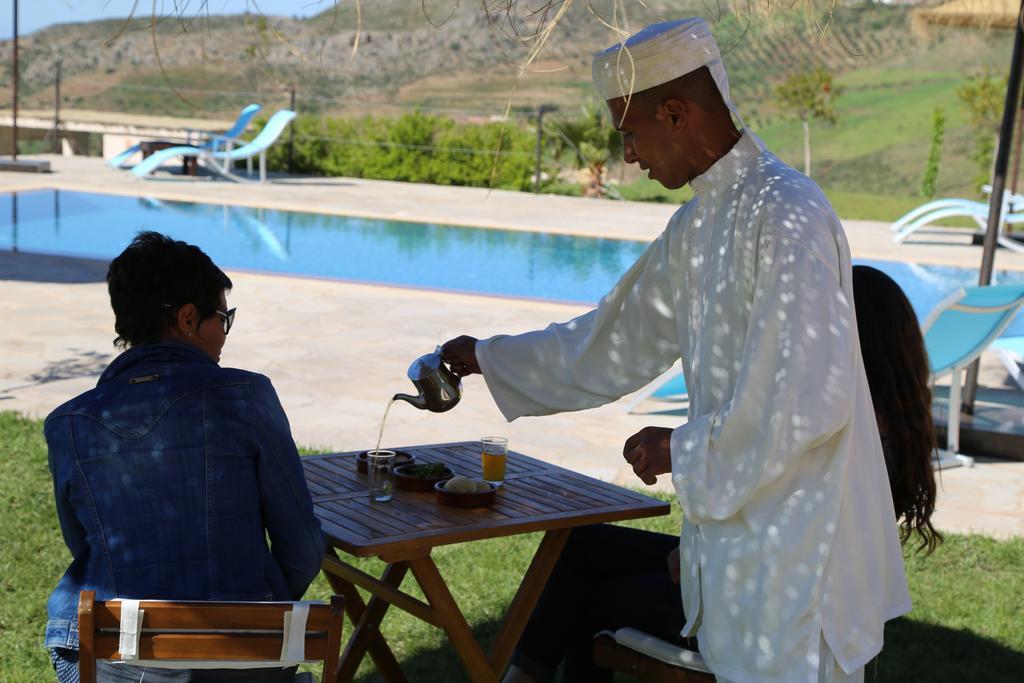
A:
(627, 341)
(793, 390)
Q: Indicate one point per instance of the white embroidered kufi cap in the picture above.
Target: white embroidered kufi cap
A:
(658, 54)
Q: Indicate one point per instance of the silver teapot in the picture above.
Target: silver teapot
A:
(439, 388)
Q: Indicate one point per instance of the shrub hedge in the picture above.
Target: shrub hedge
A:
(415, 147)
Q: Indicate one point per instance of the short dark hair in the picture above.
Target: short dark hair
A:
(154, 276)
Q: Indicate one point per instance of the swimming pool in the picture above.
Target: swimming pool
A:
(477, 260)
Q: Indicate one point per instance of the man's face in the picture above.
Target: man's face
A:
(650, 139)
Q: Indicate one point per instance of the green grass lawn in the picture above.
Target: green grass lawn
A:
(847, 204)
(966, 624)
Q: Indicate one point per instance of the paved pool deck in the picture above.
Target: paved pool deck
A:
(337, 351)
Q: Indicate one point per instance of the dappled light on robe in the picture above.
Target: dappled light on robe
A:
(790, 533)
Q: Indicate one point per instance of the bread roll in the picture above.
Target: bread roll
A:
(460, 484)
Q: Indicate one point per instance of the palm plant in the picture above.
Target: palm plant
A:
(588, 140)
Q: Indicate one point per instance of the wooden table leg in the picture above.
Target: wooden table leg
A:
(526, 597)
(368, 632)
(459, 633)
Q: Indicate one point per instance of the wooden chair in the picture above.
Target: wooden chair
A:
(185, 632)
(649, 659)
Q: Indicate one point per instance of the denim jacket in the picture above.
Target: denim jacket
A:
(169, 478)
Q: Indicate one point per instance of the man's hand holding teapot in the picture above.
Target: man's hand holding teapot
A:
(460, 355)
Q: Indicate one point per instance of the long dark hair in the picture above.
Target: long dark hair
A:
(897, 367)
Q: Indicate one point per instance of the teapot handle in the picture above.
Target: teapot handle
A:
(450, 374)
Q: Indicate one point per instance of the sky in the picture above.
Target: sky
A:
(36, 14)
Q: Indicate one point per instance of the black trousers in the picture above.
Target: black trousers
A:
(608, 577)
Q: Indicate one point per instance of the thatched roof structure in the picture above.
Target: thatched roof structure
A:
(974, 13)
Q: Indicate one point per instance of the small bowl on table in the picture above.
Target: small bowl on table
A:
(401, 458)
(407, 478)
(477, 499)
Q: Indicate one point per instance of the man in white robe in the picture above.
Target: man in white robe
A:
(790, 559)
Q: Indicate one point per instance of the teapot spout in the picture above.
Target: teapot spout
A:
(416, 401)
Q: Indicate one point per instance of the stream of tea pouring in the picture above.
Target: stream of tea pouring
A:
(439, 388)
(380, 434)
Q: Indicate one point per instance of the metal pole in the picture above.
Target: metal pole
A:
(541, 110)
(291, 132)
(1019, 138)
(56, 112)
(1016, 154)
(540, 141)
(14, 80)
(995, 201)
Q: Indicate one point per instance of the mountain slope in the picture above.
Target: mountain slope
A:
(468, 61)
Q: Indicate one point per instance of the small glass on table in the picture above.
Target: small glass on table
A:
(379, 480)
(494, 453)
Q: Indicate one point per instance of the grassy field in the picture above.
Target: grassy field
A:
(880, 143)
(965, 626)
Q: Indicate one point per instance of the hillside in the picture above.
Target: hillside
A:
(893, 73)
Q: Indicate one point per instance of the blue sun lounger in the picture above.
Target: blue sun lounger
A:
(956, 333)
(221, 162)
(939, 209)
(213, 142)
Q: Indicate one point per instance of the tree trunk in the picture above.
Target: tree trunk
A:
(595, 188)
(807, 148)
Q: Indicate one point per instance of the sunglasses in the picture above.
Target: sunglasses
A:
(227, 318)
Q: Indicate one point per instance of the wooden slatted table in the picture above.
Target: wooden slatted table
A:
(537, 496)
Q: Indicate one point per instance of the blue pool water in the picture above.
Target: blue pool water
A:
(478, 260)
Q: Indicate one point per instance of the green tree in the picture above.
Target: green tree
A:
(810, 95)
(588, 140)
(931, 171)
(982, 97)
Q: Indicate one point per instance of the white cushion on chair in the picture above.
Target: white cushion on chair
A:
(659, 649)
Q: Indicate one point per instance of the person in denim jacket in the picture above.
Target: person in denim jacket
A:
(172, 474)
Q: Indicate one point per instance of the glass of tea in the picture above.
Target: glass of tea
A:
(494, 453)
(379, 480)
